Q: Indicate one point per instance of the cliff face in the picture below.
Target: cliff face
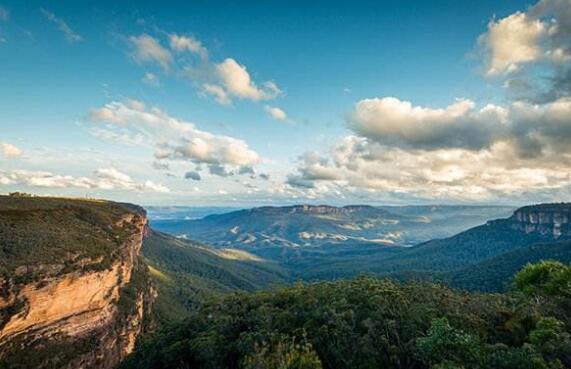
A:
(552, 220)
(81, 312)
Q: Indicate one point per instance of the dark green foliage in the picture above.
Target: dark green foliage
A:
(448, 347)
(53, 354)
(445, 345)
(283, 353)
(362, 323)
(188, 273)
(551, 278)
(550, 337)
(496, 274)
(65, 234)
(484, 258)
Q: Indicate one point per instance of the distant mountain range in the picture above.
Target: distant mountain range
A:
(326, 242)
(309, 225)
(480, 258)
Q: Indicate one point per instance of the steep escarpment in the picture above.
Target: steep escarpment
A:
(547, 219)
(73, 289)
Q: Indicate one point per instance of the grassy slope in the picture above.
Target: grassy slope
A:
(188, 273)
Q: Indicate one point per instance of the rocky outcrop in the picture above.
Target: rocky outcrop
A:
(553, 220)
(78, 317)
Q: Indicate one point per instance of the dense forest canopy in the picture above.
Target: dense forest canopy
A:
(373, 323)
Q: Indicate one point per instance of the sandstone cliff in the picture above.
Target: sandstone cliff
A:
(85, 310)
(553, 220)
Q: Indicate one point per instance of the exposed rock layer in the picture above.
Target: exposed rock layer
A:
(552, 220)
(105, 310)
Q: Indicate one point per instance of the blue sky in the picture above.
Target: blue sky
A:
(64, 62)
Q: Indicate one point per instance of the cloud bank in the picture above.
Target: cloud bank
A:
(173, 138)
(103, 179)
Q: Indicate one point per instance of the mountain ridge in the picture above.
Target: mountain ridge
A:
(318, 225)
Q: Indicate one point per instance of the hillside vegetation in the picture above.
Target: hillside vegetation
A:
(64, 233)
(482, 258)
(188, 273)
(372, 323)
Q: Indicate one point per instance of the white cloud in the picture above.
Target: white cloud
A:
(532, 128)
(276, 113)
(394, 122)
(174, 138)
(536, 44)
(104, 178)
(187, 43)
(457, 152)
(70, 35)
(149, 49)
(449, 174)
(10, 151)
(151, 79)
(219, 93)
(512, 41)
(225, 81)
(235, 81)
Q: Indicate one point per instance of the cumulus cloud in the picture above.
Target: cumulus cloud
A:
(358, 163)
(532, 128)
(146, 48)
(104, 178)
(220, 170)
(9, 151)
(246, 169)
(395, 122)
(218, 92)
(224, 81)
(187, 43)
(457, 152)
(512, 41)
(276, 113)
(535, 45)
(236, 82)
(70, 35)
(174, 138)
(193, 175)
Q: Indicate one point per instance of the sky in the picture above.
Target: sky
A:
(278, 102)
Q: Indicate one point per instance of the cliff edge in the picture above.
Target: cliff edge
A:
(72, 286)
